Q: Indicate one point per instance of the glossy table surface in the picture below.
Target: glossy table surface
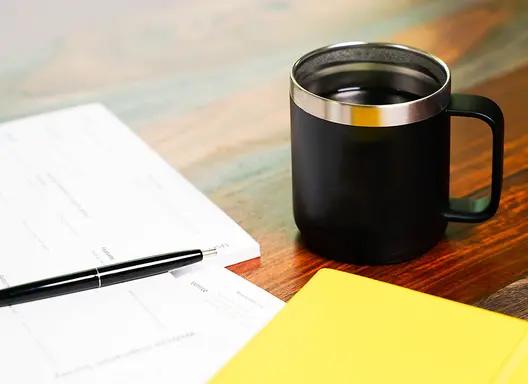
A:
(205, 83)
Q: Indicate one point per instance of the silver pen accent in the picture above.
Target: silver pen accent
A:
(98, 276)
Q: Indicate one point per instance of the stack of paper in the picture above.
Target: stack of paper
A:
(78, 187)
(156, 330)
(79, 190)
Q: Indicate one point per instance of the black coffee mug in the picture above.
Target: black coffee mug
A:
(370, 146)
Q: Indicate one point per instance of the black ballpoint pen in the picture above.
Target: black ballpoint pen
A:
(99, 277)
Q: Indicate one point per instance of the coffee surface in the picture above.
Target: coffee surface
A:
(370, 95)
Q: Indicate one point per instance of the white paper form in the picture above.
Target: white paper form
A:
(79, 189)
(156, 330)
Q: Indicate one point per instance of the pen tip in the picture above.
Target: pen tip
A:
(209, 252)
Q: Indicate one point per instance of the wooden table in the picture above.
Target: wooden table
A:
(206, 84)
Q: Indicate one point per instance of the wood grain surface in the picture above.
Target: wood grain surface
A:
(205, 83)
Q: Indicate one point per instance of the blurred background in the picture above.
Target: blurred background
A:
(147, 59)
(182, 72)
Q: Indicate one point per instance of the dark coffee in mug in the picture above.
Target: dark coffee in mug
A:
(372, 84)
(370, 141)
(371, 95)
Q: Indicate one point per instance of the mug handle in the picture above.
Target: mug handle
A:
(482, 108)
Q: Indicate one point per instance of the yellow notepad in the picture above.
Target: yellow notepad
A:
(344, 328)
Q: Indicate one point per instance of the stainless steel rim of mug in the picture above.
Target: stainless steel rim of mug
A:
(385, 115)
